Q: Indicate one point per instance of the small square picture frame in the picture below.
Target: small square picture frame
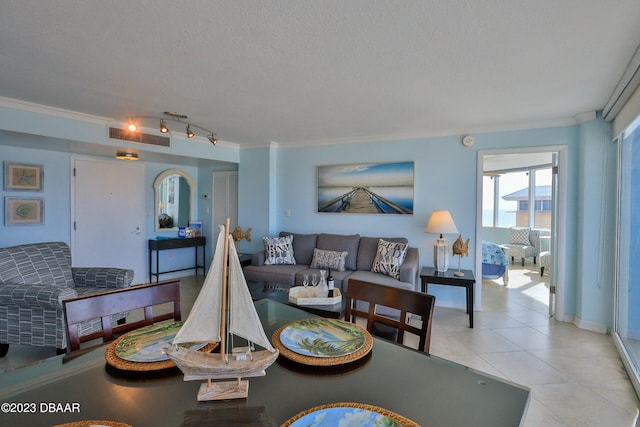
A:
(23, 211)
(23, 177)
(196, 226)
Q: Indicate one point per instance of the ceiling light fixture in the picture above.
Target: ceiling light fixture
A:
(133, 125)
(123, 155)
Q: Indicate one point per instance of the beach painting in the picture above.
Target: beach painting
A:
(366, 188)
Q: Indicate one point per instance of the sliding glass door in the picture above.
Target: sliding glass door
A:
(627, 308)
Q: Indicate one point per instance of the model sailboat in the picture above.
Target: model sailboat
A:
(207, 322)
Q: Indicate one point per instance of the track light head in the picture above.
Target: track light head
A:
(212, 138)
(189, 132)
(132, 127)
(163, 126)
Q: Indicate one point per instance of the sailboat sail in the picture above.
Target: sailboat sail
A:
(243, 318)
(203, 323)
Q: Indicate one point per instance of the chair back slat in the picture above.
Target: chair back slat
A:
(404, 300)
(104, 305)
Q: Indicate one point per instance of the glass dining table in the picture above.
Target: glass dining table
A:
(425, 389)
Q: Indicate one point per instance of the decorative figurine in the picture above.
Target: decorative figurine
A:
(461, 249)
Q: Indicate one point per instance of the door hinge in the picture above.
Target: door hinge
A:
(74, 171)
(552, 289)
(555, 170)
(74, 225)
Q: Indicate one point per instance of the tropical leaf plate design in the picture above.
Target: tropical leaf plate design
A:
(148, 344)
(322, 337)
(349, 415)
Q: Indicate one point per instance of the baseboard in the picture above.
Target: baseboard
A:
(591, 326)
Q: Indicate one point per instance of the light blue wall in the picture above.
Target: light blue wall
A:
(55, 195)
(445, 178)
(54, 135)
(595, 242)
(275, 178)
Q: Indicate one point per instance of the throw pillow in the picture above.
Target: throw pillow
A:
(389, 258)
(328, 259)
(278, 250)
(520, 235)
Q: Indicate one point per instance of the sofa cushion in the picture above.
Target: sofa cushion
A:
(303, 246)
(520, 235)
(281, 274)
(278, 250)
(340, 243)
(368, 249)
(328, 259)
(389, 258)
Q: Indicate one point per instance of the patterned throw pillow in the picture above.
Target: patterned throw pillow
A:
(389, 258)
(328, 259)
(520, 235)
(278, 250)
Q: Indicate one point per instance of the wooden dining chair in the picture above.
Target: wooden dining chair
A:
(404, 300)
(103, 305)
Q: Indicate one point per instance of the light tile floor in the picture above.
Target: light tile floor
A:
(576, 376)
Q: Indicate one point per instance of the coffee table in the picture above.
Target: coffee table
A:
(280, 292)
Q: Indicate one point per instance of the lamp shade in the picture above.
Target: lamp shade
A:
(441, 223)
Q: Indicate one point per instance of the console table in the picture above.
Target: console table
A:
(158, 245)
(430, 275)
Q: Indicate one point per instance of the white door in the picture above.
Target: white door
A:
(107, 213)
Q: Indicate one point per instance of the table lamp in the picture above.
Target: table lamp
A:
(441, 223)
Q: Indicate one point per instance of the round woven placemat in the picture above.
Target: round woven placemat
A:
(126, 365)
(93, 422)
(403, 421)
(322, 361)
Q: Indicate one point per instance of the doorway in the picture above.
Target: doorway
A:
(524, 188)
(107, 214)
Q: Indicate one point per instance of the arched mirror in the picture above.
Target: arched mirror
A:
(175, 199)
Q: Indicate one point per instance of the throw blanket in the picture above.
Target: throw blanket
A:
(493, 254)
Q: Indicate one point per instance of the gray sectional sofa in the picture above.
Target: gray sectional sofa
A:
(361, 252)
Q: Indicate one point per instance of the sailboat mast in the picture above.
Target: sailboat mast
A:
(223, 312)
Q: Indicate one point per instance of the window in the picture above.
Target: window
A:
(627, 315)
(507, 197)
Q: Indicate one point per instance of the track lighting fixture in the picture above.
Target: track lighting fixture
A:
(133, 125)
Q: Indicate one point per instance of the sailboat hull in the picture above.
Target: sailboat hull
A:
(197, 365)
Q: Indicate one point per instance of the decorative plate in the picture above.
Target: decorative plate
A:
(322, 337)
(322, 342)
(347, 413)
(147, 344)
(93, 423)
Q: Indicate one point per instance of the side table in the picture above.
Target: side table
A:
(158, 245)
(430, 275)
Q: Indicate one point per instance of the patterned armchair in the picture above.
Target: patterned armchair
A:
(523, 243)
(34, 280)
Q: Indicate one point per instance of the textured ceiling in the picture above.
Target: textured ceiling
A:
(299, 72)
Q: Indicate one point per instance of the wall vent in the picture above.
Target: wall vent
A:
(141, 137)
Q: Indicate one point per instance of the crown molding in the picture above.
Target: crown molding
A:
(568, 121)
(51, 111)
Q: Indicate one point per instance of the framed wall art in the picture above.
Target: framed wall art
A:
(23, 211)
(23, 177)
(366, 188)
